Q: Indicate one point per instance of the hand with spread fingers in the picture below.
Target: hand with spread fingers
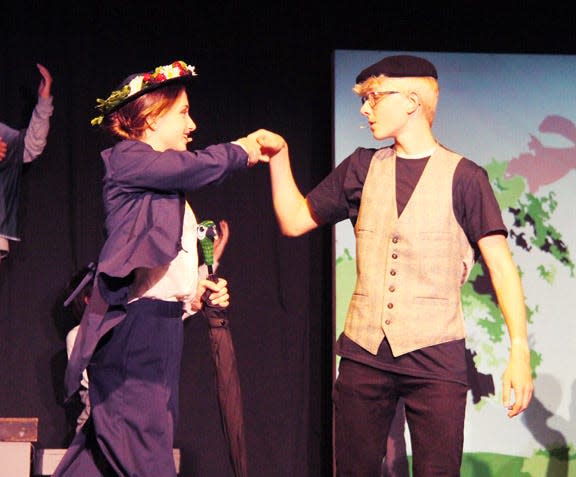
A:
(222, 240)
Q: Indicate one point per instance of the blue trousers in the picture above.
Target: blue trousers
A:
(134, 376)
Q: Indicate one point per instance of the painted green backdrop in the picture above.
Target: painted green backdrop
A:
(516, 116)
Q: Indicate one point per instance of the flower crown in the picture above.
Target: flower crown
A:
(140, 84)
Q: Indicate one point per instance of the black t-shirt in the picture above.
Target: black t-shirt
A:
(338, 198)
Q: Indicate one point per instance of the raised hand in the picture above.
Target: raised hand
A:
(45, 82)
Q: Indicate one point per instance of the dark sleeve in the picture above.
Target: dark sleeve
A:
(8, 134)
(338, 196)
(10, 178)
(475, 204)
(134, 165)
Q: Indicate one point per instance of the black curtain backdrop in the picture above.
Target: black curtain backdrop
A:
(259, 66)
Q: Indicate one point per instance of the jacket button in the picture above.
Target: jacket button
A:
(390, 305)
(391, 288)
(394, 255)
(394, 239)
(393, 272)
(387, 322)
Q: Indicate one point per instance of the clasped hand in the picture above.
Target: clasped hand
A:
(261, 145)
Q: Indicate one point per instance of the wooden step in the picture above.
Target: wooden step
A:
(46, 461)
(19, 429)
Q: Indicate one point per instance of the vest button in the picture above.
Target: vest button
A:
(390, 305)
(392, 288)
(394, 255)
(394, 239)
(393, 272)
(387, 322)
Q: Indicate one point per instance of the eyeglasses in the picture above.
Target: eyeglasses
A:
(375, 96)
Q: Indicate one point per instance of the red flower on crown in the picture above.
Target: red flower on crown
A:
(181, 66)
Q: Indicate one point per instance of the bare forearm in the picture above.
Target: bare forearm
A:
(290, 206)
(506, 284)
(510, 294)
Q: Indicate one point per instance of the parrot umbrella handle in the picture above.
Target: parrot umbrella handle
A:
(223, 354)
(207, 233)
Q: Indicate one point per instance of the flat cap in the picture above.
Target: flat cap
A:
(399, 66)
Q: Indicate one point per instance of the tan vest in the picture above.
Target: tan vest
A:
(409, 269)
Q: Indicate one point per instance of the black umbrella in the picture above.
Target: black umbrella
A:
(227, 380)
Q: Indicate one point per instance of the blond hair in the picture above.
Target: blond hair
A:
(132, 119)
(425, 87)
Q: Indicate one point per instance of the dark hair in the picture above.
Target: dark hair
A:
(132, 119)
(77, 305)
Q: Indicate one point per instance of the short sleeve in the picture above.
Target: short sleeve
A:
(338, 196)
(475, 204)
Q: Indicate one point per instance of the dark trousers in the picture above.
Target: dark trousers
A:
(133, 387)
(365, 401)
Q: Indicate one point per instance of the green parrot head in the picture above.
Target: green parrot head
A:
(207, 233)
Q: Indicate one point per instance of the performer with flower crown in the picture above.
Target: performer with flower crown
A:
(130, 337)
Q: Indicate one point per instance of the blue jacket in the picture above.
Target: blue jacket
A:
(144, 198)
